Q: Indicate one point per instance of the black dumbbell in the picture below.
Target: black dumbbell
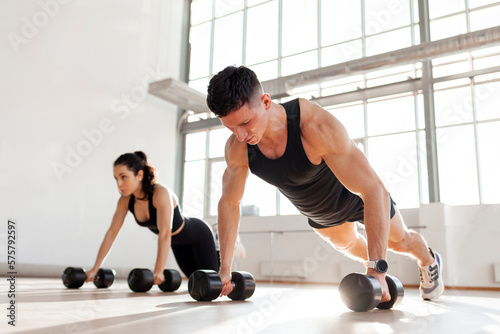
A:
(74, 277)
(362, 293)
(104, 278)
(142, 280)
(172, 280)
(206, 285)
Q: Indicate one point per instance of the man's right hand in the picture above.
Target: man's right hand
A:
(227, 284)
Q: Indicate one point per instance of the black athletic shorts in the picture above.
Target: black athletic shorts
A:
(357, 216)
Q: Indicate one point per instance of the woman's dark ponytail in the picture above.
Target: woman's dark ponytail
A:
(139, 161)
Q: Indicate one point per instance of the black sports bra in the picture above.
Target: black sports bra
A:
(152, 223)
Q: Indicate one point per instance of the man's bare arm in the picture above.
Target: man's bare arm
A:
(327, 137)
(233, 185)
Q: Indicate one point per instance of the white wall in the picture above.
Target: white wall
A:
(74, 79)
(465, 236)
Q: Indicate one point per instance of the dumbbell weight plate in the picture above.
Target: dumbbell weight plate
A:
(360, 292)
(140, 280)
(104, 278)
(172, 281)
(73, 278)
(244, 285)
(396, 290)
(204, 285)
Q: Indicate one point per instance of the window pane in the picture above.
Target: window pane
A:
(389, 41)
(485, 18)
(286, 207)
(300, 28)
(261, 194)
(299, 63)
(479, 3)
(416, 34)
(353, 118)
(195, 146)
(424, 176)
(415, 12)
(457, 165)
(486, 62)
(217, 171)
(348, 84)
(383, 15)
(223, 7)
(487, 100)
(266, 71)
(421, 111)
(450, 69)
(388, 116)
(199, 38)
(341, 53)
(255, 2)
(262, 29)
(200, 85)
(450, 26)
(201, 10)
(193, 199)
(217, 141)
(339, 25)
(395, 160)
(489, 155)
(445, 7)
(387, 76)
(453, 106)
(228, 41)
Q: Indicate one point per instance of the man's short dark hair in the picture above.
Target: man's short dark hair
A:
(230, 89)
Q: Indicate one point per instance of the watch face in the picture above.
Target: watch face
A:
(382, 266)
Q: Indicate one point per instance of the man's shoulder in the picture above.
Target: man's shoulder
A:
(236, 151)
(312, 116)
(319, 128)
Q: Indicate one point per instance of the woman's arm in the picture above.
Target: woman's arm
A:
(109, 238)
(165, 210)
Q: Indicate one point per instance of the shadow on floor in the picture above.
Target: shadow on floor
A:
(68, 295)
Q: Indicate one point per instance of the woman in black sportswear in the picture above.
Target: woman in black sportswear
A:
(157, 208)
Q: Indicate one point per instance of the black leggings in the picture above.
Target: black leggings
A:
(194, 247)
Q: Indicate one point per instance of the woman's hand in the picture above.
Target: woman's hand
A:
(91, 274)
(227, 284)
(159, 277)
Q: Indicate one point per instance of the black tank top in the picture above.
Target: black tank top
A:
(152, 223)
(313, 189)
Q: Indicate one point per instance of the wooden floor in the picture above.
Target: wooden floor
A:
(46, 306)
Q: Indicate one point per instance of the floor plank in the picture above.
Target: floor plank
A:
(46, 306)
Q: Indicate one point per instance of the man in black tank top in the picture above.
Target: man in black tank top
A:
(307, 154)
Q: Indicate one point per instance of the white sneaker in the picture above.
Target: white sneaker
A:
(431, 280)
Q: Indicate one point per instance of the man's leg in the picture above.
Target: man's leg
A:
(405, 241)
(346, 239)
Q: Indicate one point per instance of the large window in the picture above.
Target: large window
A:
(390, 131)
(285, 37)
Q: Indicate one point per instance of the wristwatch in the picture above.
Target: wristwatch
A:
(379, 265)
